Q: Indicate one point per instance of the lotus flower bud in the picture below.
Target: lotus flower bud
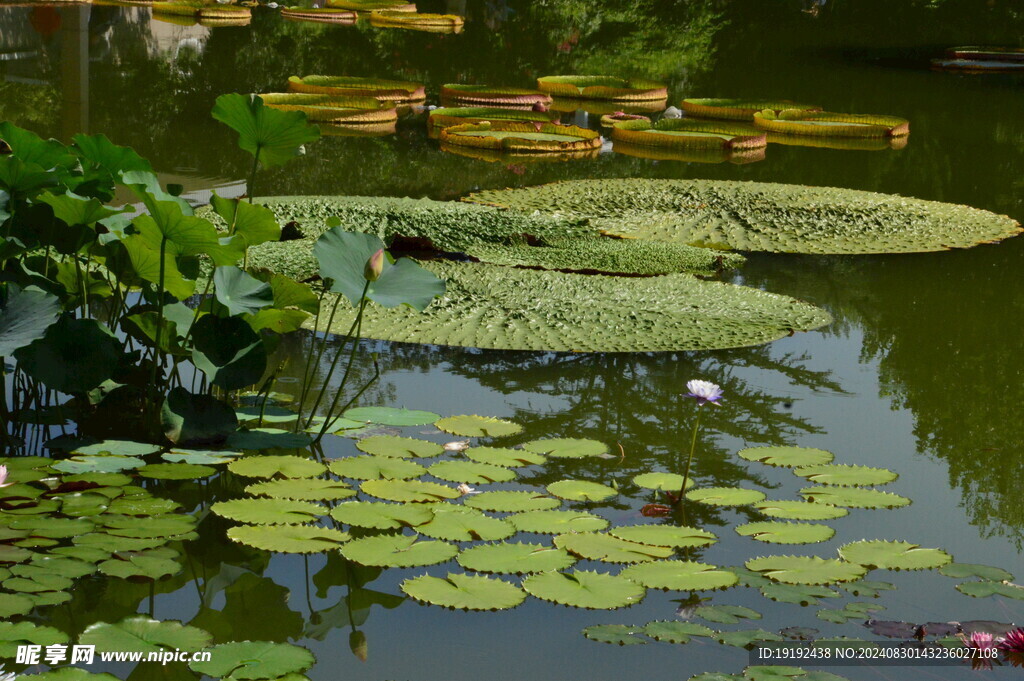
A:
(374, 266)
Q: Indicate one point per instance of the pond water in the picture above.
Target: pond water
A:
(922, 371)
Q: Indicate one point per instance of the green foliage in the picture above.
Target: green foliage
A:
(515, 558)
(273, 137)
(584, 589)
(679, 575)
(464, 592)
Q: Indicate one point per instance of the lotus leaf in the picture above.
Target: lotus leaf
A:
(853, 497)
(145, 635)
(140, 565)
(800, 510)
(567, 448)
(14, 604)
(985, 589)
(269, 511)
(846, 475)
(268, 438)
(515, 558)
(581, 490)
(665, 482)
(510, 458)
(273, 137)
(806, 570)
(288, 538)
(678, 575)
(254, 660)
(894, 555)
(73, 356)
(376, 467)
(511, 501)
(400, 447)
(398, 551)
(761, 216)
(458, 523)
(584, 589)
(556, 522)
(615, 634)
(196, 419)
(471, 472)
(404, 491)
(790, 457)
(605, 547)
(983, 572)
(304, 489)
(381, 516)
(786, 533)
(261, 466)
(101, 464)
(725, 496)
(395, 91)
(13, 634)
(464, 592)
(665, 535)
(799, 594)
(478, 426)
(176, 471)
(25, 317)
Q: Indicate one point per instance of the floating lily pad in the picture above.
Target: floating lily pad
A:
(400, 447)
(14, 604)
(398, 551)
(80, 504)
(304, 489)
(514, 137)
(515, 558)
(790, 457)
(176, 471)
(395, 91)
(510, 458)
(338, 425)
(142, 505)
(664, 535)
(53, 528)
(567, 448)
(853, 497)
(679, 575)
(464, 592)
(376, 467)
(867, 588)
(471, 472)
(269, 511)
(797, 593)
(985, 589)
(983, 572)
(846, 475)
(118, 448)
(98, 464)
(265, 466)
(145, 635)
(493, 95)
(581, 490)
(739, 109)
(725, 496)
(584, 589)
(511, 501)
(786, 533)
(391, 416)
(268, 438)
(254, 660)
(110, 543)
(664, 482)
(13, 634)
(894, 555)
(381, 516)
(851, 611)
(726, 614)
(409, 490)
(800, 510)
(675, 631)
(266, 414)
(142, 565)
(808, 570)
(605, 547)
(616, 634)
(200, 457)
(746, 637)
(556, 522)
(288, 538)
(458, 523)
(166, 525)
(478, 426)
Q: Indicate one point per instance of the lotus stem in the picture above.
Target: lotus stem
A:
(689, 460)
(354, 339)
(251, 187)
(311, 363)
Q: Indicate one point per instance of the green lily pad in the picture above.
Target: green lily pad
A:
(53, 528)
(511, 501)
(726, 614)
(14, 604)
(13, 634)
(725, 496)
(800, 510)
(557, 522)
(471, 472)
(381, 516)
(105, 479)
(269, 511)
(110, 543)
(674, 631)
(68, 674)
(145, 635)
(458, 523)
(664, 535)
(398, 551)
(853, 497)
(338, 425)
(581, 490)
(584, 589)
(983, 572)
(869, 588)
(746, 637)
(772, 672)
(786, 533)
(797, 593)
(605, 547)
(391, 416)
(288, 538)
(267, 438)
(616, 634)
(464, 592)
(808, 570)
(376, 467)
(83, 504)
(510, 458)
(789, 457)
(894, 555)
(985, 589)
(515, 558)
(98, 464)
(409, 490)
(167, 525)
(303, 489)
(118, 448)
(140, 565)
(254, 660)
(663, 482)
(265, 466)
(38, 581)
(400, 447)
(176, 471)
(846, 475)
(679, 575)
(567, 448)
(141, 505)
(478, 426)
(850, 611)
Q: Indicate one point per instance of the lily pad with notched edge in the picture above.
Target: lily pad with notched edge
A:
(605, 547)
(399, 447)
(567, 448)
(679, 575)
(380, 516)
(303, 489)
(398, 551)
(853, 497)
(556, 522)
(800, 510)
(726, 614)
(983, 572)
(584, 589)
(13, 634)
(985, 589)
(409, 490)
(665, 482)
(664, 535)
(269, 511)
(808, 570)
(797, 593)
(471, 472)
(499, 456)
(846, 475)
(260, 466)
(786, 533)
(725, 496)
(464, 592)
(515, 558)
(616, 634)
(893, 555)
(478, 426)
(144, 635)
(673, 631)
(254, 660)
(458, 523)
(581, 490)
(789, 457)
(288, 538)
(176, 471)
(511, 501)
(376, 467)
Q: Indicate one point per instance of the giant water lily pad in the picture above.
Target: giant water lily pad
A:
(584, 589)
(398, 551)
(464, 592)
(605, 547)
(894, 555)
(515, 558)
(288, 538)
(756, 216)
(679, 575)
(809, 570)
(457, 523)
(254, 660)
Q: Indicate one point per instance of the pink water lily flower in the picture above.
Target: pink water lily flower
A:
(3, 477)
(983, 641)
(704, 392)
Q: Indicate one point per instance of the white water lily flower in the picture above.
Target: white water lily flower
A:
(704, 392)
(457, 446)
(465, 489)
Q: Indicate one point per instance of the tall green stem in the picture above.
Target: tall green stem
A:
(689, 461)
(250, 189)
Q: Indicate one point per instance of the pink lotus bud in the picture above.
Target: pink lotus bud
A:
(374, 266)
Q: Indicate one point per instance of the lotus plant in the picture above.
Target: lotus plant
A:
(705, 392)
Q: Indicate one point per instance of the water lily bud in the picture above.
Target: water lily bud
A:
(374, 266)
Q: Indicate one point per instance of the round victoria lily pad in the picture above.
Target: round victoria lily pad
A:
(567, 448)
(584, 589)
(268, 438)
(893, 555)
(254, 660)
(790, 457)
(145, 635)
(269, 511)
(201, 457)
(398, 551)
(808, 570)
(458, 523)
(853, 497)
(265, 466)
(725, 496)
(515, 558)
(288, 538)
(380, 516)
(616, 634)
(471, 472)
(800, 510)
(510, 458)
(464, 592)
(726, 614)
(555, 522)
(391, 416)
(409, 490)
(664, 535)
(846, 475)
(605, 547)
(400, 447)
(376, 467)
(984, 572)
(797, 593)
(786, 533)
(680, 575)
(176, 471)
(511, 501)
(665, 482)
(985, 589)
(581, 490)
(304, 489)
(674, 631)
(118, 448)
(478, 426)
